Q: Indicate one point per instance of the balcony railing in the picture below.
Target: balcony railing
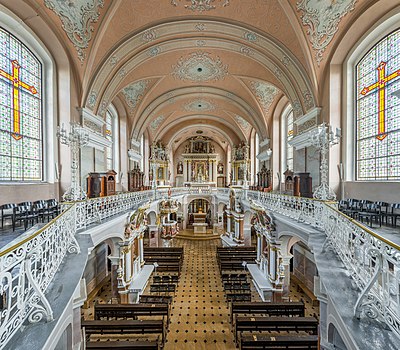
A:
(28, 267)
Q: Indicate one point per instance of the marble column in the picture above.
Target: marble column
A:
(141, 252)
(228, 224)
(286, 280)
(259, 238)
(128, 264)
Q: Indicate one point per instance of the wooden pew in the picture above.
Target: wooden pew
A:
(107, 311)
(123, 345)
(268, 309)
(155, 299)
(124, 327)
(275, 324)
(231, 265)
(239, 249)
(252, 342)
(162, 288)
(238, 296)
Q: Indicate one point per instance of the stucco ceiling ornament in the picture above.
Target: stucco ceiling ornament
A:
(200, 27)
(322, 19)
(201, 5)
(285, 61)
(308, 99)
(199, 67)
(77, 17)
(243, 123)
(113, 60)
(154, 125)
(103, 108)
(92, 99)
(134, 92)
(265, 93)
(245, 50)
(297, 110)
(199, 105)
(200, 43)
(154, 51)
(250, 36)
(149, 35)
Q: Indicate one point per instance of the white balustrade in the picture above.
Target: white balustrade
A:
(26, 270)
(28, 267)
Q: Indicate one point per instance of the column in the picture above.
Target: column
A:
(286, 280)
(228, 223)
(128, 264)
(272, 262)
(141, 252)
(259, 238)
(114, 282)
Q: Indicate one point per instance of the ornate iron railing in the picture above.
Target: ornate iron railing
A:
(28, 267)
(26, 270)
(373, 261)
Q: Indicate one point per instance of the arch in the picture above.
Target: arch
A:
(267, 51)
(152, 217)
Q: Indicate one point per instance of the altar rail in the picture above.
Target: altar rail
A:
(30, 265)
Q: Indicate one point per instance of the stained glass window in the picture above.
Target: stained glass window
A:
(289, 136)
(21, 156)
(109, 136)
(378, 111)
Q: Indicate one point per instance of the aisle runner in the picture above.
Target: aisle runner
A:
(200, 314)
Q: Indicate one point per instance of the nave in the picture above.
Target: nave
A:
(200, 315)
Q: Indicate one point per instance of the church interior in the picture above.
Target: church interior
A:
(200, 174)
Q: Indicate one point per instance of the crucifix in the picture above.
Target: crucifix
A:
(17, 83)
(383, 79)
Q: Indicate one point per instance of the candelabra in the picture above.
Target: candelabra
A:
(75, 139)
(323, 138)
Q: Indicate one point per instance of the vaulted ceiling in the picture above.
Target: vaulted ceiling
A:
(179, 66)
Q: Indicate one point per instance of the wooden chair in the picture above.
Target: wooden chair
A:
(25, 212)
(393, 213)
(7, 211)
(371, 211)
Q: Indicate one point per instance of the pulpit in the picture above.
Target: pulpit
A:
(101, 184)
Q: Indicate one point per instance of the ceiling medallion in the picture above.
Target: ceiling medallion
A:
(199, 105)
(201, 5)
(77, 18)
(265, 93)
(322, 19)
(199, 67)
(134, 92)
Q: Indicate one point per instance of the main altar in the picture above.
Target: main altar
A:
(200, 163)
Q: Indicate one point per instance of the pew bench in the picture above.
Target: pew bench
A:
(123, 345)
(275, 324)
(124, 327)
(115, 311)
(234, 297)
(302, 287)
(267, 309)
(155, 299)
(261, 342)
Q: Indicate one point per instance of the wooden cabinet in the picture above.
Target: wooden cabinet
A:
(101, 184)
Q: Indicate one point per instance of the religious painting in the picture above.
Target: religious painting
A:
(220, 168)
(160, 173)
(180, 168)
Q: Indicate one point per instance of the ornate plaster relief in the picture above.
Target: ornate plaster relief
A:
(200, 5)
(199, 105)
(134, 92)
(265, 93)
(322, 19)
(199, 67)
(77, 17)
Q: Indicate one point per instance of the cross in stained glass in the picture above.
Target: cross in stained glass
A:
(380, 85)
(14, 78)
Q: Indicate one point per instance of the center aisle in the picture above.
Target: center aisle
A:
(200, 313)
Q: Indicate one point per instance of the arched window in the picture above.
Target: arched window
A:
(378, 111)
(287, 135)
(21, 135)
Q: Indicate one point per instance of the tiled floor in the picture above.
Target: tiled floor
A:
(200, 316)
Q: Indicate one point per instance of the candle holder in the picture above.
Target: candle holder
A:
(323, 138)
(75, 140)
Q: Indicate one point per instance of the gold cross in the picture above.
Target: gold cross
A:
(16, 134)
(381, 84)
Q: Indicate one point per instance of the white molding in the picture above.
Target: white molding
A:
(135, 156)
(264, 155)
(265, 142)
(135, 143)
(95, 140)
(313, 113)
(86, 113)
(303, 140)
